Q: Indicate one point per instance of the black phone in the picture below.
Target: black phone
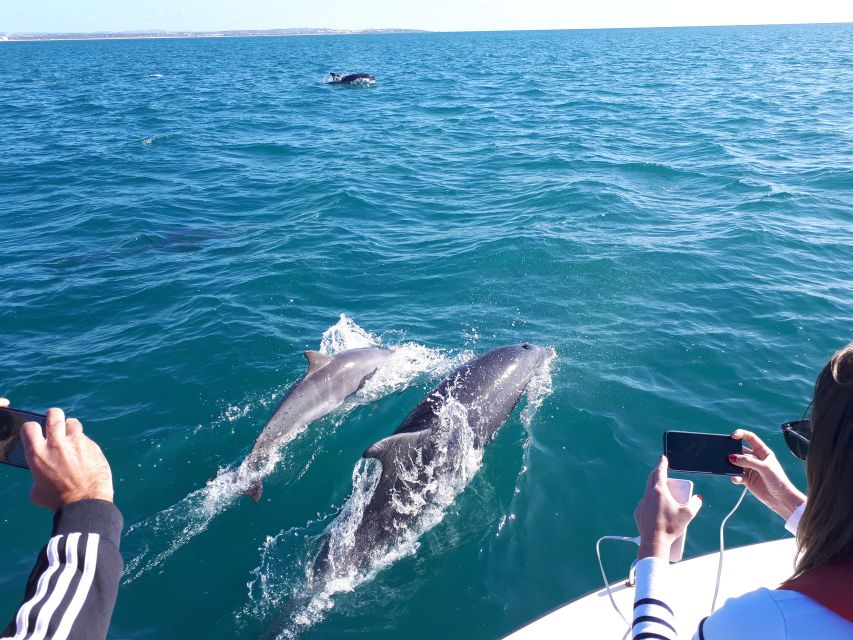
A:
(701, 452)
(11, 447)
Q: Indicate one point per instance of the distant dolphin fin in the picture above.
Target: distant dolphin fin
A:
(387, 445)
(255, 490)
(316, 360)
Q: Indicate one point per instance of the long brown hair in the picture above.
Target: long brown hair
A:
(825, 533)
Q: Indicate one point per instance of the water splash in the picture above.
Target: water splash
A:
(176, 525)
(147, 142)
(538, 388)
(435, 486)
(170, 529)
(345, 334)
(408, 362)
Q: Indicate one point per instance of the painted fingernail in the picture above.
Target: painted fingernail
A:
(699, 496)
(732, 458)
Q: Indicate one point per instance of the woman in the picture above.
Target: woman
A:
(817, 602)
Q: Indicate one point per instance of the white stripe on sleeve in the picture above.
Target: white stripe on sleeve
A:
(22, 618)
(61, 588)
(82, 592)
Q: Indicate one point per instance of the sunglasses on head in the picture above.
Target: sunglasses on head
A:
(798, 435)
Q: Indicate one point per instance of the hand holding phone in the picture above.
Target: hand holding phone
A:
(701, 453)
(661, 518)
(67, 465)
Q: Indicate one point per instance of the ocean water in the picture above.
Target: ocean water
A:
(670, 210)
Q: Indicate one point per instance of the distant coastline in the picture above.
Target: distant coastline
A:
(230, 33)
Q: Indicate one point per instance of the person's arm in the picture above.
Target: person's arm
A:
(661, 521)
(653, 614)
(72, 589)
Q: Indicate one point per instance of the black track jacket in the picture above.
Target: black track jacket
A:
(72, 589)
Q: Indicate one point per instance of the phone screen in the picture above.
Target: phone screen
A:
(11, 447)
(701, 452)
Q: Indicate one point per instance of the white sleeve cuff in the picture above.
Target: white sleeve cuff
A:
(653, 616)
(794, 521)
(652, 578)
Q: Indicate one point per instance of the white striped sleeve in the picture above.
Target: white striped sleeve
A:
(83, 587)
(72, 589)
(53, 564)
(654, 619)
(62, 584)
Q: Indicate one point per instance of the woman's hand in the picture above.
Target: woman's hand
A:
(660, 519)
(764, 476)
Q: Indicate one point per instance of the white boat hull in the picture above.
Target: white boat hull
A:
(745, 569)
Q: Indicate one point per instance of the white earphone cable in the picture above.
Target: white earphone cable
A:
(601, 566)
(723, 547)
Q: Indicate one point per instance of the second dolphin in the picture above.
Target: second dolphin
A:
(427, 453)
(329, 381)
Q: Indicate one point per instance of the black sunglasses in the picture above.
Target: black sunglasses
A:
(798, 435)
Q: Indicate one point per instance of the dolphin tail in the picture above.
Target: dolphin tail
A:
(255, 490)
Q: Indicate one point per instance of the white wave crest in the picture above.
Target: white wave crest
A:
(345, 335)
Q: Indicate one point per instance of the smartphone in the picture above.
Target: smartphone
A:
(11, 447)
(701, 452)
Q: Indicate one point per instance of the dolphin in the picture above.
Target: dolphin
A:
(423, 454)
(328, 382)
(353, 78)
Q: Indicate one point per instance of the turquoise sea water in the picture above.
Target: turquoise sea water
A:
(671, 210)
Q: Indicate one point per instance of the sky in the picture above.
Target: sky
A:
(51, 16)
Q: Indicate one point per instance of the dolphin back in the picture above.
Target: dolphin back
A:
(329, 381)
(433, 445)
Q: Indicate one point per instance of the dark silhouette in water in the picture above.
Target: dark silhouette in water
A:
(353, 78)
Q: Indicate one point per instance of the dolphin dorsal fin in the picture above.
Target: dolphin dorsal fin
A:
(316, 360)
(382, 448)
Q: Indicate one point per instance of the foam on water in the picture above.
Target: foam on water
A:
(437, 484)
(345, 334)
(170, 529)
(150, 140)
(540, 387)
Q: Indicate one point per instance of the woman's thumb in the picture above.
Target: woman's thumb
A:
(693, 505)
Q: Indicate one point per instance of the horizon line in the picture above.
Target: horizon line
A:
(398, 30)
